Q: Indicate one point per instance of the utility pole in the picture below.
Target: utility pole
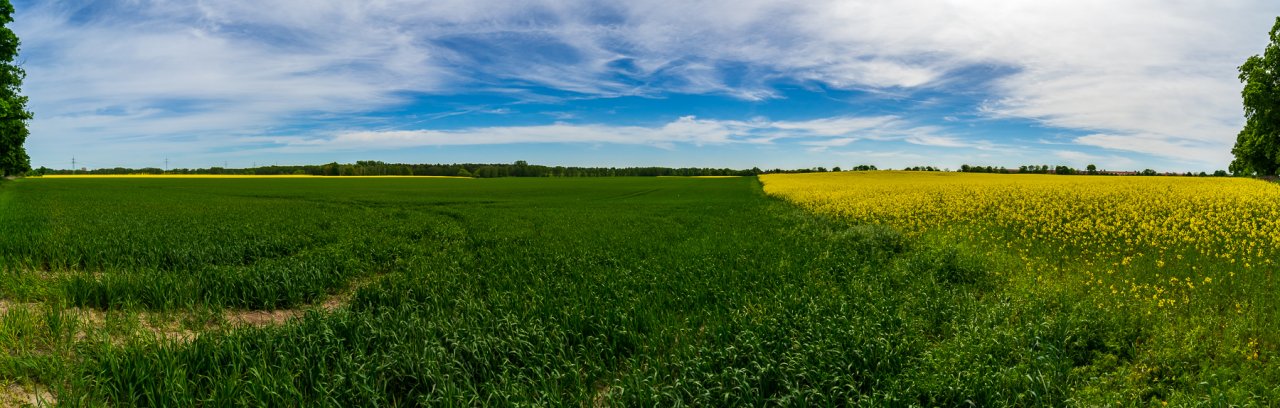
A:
(73, 165)
(166, 165)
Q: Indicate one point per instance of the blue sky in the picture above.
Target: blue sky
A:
(742, 83)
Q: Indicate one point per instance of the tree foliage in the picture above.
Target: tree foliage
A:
(13, 106)
(1257, 148)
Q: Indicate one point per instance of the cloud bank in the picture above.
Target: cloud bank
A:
(688, 130)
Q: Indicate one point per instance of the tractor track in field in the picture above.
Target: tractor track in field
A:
(175, 327)
(184, 326)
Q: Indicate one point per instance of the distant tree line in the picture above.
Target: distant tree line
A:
(524, 169)
(491, 170)
(983, 169)
(861, 167)
(378, 168)
(1089, 170)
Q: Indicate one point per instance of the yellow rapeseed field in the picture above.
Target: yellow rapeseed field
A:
(1147, 238)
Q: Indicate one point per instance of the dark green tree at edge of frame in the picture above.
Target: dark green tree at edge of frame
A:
(1257, 148)
(13, 106)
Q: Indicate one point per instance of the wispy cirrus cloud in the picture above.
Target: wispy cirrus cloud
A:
(687, 130)
(1181, 148)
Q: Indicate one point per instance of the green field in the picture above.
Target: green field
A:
(534, 291)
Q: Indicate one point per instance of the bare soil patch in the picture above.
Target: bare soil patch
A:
(16, 396)
(7, 305)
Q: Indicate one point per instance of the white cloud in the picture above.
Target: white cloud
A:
(156, 71)
(1139, 71)
(1206, 154)
(1075, 156)
(839, 126)
(820, 145)
(820, 133)
(941, 141)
